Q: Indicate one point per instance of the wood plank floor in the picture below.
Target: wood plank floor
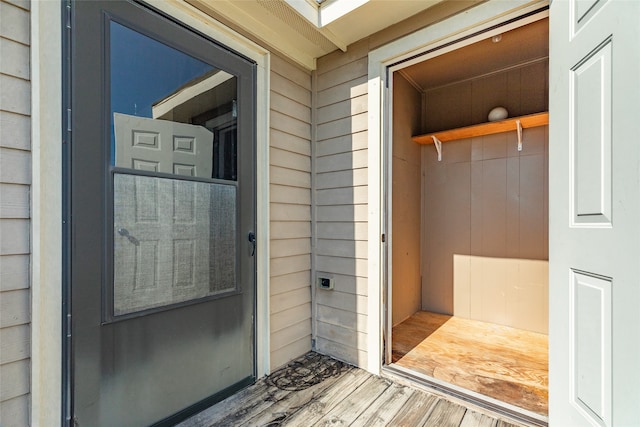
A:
(507, 364)
(316, 390)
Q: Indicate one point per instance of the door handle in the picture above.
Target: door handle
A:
(252, 239)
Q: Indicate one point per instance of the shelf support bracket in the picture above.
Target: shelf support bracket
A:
(438, 145)
(519, 125)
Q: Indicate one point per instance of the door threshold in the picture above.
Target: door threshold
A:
(470, 397)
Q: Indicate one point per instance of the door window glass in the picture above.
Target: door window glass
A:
(174, 158)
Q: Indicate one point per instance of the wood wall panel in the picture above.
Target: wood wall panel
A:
(520, 90)
(406, 197)
(484, 198)
(493, 207)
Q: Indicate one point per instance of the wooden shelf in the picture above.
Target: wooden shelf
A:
(529, 121)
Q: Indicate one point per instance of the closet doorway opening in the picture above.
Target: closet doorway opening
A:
(467, 262)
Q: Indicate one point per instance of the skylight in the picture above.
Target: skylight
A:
(326, 11)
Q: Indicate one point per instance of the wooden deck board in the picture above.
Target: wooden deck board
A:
(339, 391)
(291, 403)
(446, 414)
(347, 411)
(476, 419)
(319, 391)
(415, 411)
(385, 407)
(504, 363)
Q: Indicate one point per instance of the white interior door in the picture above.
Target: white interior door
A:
(162, 146)
(594, 210)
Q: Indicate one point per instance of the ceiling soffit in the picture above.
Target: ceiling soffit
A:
(302, 30)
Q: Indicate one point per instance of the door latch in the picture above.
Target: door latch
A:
(252, 239)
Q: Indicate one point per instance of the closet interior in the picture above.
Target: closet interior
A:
(469, 227)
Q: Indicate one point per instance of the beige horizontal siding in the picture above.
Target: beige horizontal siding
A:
(15, 242)
(16, 96)
(352, 106)
(15, 342)
(290, 247)
(288, 142)
(14, 272)
(14, 308)
(15, 236)
(14, 412)
(15, 166)
(344, 144)
(340, 202)
(14, 24)
(351, 249)
(282, 319)
(15, 58)
(290, 210)
(15, 201)
(15, 130)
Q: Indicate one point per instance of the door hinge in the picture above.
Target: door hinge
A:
(384, 238)
(68, 331)
(68, 13)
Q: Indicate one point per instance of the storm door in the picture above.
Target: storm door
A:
(162, 211)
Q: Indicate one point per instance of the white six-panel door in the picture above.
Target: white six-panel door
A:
(594, 212)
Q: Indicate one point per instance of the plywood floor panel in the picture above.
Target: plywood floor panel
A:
(504, 363)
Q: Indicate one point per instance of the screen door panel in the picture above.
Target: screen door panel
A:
(174, 241)
(162, 198)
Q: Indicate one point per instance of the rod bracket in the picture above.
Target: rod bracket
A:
(519, 125)
(438, 145)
